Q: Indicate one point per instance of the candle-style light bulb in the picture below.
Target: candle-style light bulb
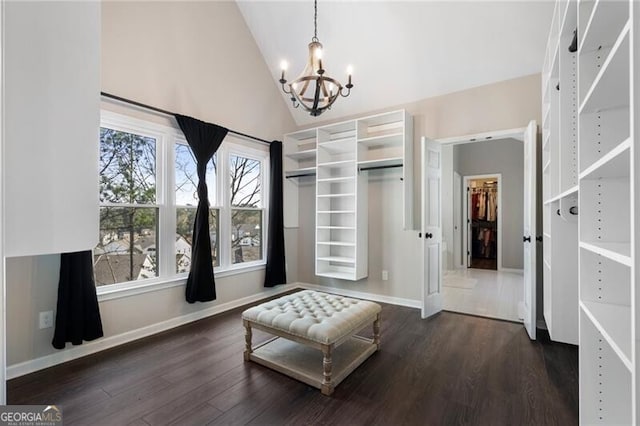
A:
(283, 67)
(349, 72)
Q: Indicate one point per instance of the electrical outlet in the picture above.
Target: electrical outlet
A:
(385, 275)
(46, 319)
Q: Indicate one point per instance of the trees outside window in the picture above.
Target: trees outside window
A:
(146, 229)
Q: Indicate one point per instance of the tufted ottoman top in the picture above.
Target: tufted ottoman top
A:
(320, 317)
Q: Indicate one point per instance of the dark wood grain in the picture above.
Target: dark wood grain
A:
(451, 369)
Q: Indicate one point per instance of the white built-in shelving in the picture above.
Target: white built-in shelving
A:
(560, 176)
(337, 158)
(607, 88)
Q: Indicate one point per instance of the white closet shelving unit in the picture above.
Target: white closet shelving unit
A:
(341, 197)
(560, 178)
(299, 162)
(339, 156)
(608, 89)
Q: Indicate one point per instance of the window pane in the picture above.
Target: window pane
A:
(185, 218)
(127, 167)
(245, 176)
(246, 235)
(128, 245)
(187, 177)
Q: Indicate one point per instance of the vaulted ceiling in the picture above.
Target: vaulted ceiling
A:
(402, 51)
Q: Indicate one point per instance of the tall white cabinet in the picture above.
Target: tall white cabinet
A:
(336, 158)
(560, 178)
(608, 63)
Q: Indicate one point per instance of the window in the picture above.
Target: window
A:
(149, 196)
(127, 243)
(245, 185)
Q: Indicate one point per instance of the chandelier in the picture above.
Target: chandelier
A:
(314, 90)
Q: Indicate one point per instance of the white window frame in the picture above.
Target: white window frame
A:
(167, 136)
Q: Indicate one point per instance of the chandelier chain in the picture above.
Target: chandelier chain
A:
(315, 20)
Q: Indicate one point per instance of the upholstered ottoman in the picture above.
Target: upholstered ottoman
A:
(310, 321)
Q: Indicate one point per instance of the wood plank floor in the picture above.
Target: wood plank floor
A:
(449, 370)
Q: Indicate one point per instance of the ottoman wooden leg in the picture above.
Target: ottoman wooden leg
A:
(247, 340)
(376, 332)
(327, 386)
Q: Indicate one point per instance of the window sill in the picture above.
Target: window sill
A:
(139, 287)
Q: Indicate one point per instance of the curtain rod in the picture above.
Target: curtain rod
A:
(172, 114)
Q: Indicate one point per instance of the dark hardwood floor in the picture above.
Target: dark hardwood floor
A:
(449, 370)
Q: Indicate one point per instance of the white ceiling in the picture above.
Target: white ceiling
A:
(402, 51)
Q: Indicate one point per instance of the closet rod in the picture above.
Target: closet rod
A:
(364, 169)
(164, 111)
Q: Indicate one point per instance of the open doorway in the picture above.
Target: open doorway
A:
(484, 255)
(483, 220)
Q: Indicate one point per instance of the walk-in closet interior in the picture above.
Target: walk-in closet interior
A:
(482, 230)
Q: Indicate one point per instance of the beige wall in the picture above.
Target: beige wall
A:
(505, 105)
(195, 58)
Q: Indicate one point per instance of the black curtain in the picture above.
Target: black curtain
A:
(275, 271)
(78, 314)
(204, 140)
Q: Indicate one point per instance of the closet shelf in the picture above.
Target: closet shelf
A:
(337, 164)
(337, 243)
(338, 146)
(392, 139)
(337, 179)
(306, 154)
(383, 162)
(601, 24)
(611, 85)
(614, 164)
(562, 195)
(305, 171)
(618, 252)
(337, 259)
(614, 323)
(545, 143)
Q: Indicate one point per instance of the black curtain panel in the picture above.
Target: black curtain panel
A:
(78, 314)
(204, 140)
(275, 271)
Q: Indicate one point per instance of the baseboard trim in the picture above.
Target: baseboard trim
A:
(88, 348)
(411, 303)
(512, 270)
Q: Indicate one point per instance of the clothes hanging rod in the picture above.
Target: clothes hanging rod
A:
(300, 175)
(172, 114)
(391, 166)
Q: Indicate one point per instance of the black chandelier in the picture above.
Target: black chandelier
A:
(315, 91)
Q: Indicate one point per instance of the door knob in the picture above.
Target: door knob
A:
(539, 238)
(428, 235)
(526, 239)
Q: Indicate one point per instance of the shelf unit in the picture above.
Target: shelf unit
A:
(607, 243)
(341, 205)
(337, 158)
(299, 163)
(560, 177)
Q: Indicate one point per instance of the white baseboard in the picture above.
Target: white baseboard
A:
(88, 348)
(512, 270)
(411, 303)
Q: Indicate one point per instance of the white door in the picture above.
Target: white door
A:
(457, 220)
(431, 228)
(530, 175)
